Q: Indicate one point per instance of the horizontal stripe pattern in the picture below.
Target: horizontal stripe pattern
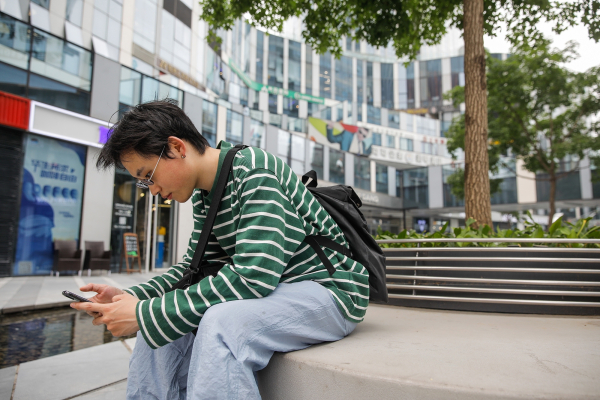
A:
(263, 218)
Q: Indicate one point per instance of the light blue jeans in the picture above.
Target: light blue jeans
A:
(234, 341)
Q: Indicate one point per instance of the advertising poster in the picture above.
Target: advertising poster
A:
(350, 138)
(51, 196)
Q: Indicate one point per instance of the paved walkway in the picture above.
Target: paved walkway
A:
(395, 353)
(38, 292)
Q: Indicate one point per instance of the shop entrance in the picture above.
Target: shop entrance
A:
(151, 218)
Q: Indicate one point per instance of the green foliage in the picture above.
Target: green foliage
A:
(408, 24)
(558, 230)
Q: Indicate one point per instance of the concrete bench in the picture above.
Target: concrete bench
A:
(406, 353)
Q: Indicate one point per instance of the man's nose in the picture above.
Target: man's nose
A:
(154, 190)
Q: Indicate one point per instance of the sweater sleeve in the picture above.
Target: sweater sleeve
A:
(161, 284)
(268, 233)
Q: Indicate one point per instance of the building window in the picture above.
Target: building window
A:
(410, 86)
(325, 75)
(296, 124)
(431, 83)
(360, 84)
(343, 79)
(144, 24)
(257, 134)
(298, 154)
(275, 65)
(381, 178)
(316, 158)
(402, 88)
(107, 25)
(244, 93)
(294, 62)
(406, 144)
(362, 173)
(209, 122)
(74, 11)
(176, 40)
(260, 43)
(373, 115)
(369, 83)
(393, 119)
(387, 86)
(309, 71)
(337, 166)
(426, 126)
(457, 71)
(290, 107)
(376, 139)
(391, 141)
(51, 201)
(415, 189)
(235, 128)
(273, 103)
(398, 183)
(51, 71)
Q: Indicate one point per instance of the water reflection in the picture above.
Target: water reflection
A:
(33, 335)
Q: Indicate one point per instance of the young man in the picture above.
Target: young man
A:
(272, 292)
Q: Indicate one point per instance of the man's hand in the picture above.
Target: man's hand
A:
(118, 316)
(105, 292)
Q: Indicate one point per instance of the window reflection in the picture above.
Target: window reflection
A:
(337, 164)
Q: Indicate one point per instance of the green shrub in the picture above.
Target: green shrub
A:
(558, 230)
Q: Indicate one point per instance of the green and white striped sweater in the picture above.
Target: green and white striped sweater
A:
(258, 236)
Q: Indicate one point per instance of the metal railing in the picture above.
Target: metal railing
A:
(495, 278)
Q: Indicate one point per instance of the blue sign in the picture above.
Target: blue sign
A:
(51, 198)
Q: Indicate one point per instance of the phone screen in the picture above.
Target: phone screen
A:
(74, 296)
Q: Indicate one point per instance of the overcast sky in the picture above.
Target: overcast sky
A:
(589, 51)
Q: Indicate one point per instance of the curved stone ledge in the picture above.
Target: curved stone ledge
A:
(405, 353)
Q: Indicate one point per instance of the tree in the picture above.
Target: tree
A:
(409, 25)
(539, 111)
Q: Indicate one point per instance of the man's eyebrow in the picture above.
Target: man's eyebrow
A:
(139, 171)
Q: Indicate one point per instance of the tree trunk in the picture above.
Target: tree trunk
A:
(552, 199)
(477, 181)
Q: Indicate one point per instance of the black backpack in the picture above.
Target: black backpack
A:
(342, 204)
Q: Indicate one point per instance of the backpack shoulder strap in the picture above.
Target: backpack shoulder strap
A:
(212, 212)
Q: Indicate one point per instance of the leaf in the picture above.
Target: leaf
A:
(555, 225)
(470, 222)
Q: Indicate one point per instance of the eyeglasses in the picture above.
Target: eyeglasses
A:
(144, 183)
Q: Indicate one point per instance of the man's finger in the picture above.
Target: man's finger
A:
(85, 306)
(91, 287)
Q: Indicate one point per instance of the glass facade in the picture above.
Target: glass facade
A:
(294, 64)
(51, 202)
(457, 71)
(260, 43)
(387, 85)
(275, 62)
(209, 122)
(410, 86)
(394, 119)
(360, 85)
(343, 78)
(362, 173)
(234, 128)
(431, 83)
(42, 67)
(373, 115)
(415, 190)
(337, 166)
(316, 158)
(325, 75)
(369, 83)
(257, 134)
(381, 178)
(309, 70)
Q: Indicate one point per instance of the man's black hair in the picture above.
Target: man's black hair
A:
(145, 129)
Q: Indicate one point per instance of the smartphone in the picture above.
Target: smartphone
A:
(75, 297)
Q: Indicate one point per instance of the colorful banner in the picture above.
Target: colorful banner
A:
(259, 87)
(51, 198)
(350, 138)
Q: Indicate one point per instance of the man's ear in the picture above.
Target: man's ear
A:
(177, 146)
